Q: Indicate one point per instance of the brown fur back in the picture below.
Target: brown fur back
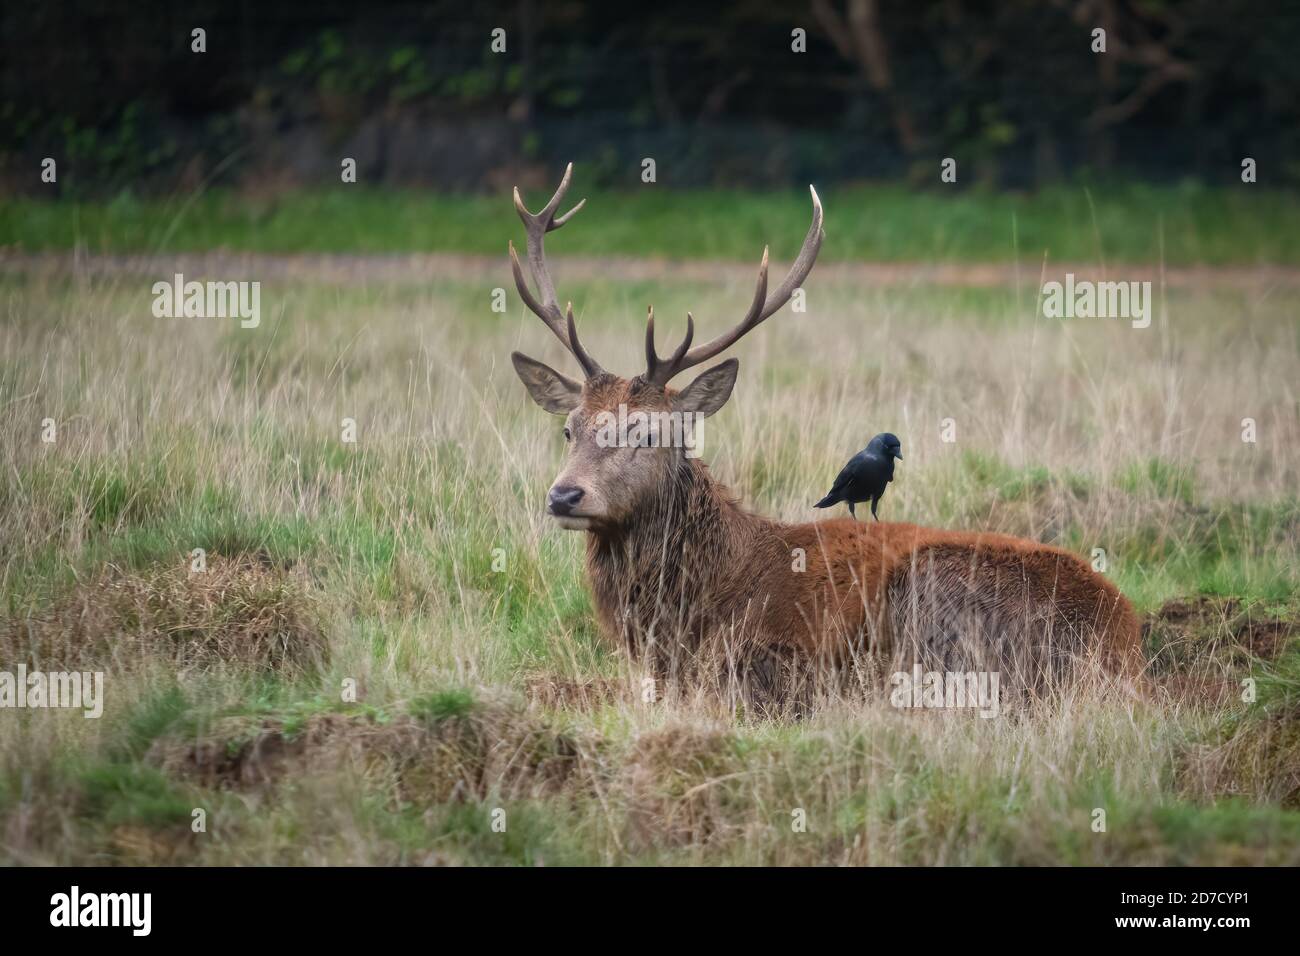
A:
(697, 573)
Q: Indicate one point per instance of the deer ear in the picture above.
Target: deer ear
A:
(710, 391)
(556, 393)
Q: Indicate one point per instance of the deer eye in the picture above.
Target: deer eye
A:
(568, 435)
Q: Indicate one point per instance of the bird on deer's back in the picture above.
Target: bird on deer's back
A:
(865, 476)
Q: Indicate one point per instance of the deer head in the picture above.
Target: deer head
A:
(604, 481)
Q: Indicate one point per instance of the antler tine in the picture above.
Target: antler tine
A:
(762, 307)
(536, 225)
(547, 215)
(561, 220)
(686, 340)
(589, 364)
(655, 366)
(651, 353)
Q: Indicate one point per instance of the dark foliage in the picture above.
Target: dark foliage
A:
(414, 92)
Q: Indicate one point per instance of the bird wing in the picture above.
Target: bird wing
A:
(845, 476)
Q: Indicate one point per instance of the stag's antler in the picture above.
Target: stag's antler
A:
(660, 371)
(548, 310)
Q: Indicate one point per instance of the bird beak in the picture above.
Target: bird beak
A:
(898, 455)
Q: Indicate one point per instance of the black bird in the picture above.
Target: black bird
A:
(865, 476)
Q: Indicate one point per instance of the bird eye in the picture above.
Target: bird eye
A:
(568, 436)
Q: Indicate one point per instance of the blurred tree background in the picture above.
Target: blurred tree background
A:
(716, 95)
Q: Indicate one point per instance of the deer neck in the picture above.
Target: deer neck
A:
(663, 569)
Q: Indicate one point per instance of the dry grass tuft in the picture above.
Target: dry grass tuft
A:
(674, 784)
(239, 611)
(1259, 760)
(1205, 644)
(1216, 624)
(557, 692)
(493, 749)
(135, 845)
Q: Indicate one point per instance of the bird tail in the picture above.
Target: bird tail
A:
(831, 499)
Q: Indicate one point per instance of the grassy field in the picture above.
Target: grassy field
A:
(1183, 225)
(417, 562)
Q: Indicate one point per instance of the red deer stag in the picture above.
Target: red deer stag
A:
(677, 565)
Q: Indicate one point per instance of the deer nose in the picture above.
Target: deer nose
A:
(562, 500)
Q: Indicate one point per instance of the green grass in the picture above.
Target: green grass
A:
(1181, 225)
(1159, 479)
(441, 705)
(132, 793)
